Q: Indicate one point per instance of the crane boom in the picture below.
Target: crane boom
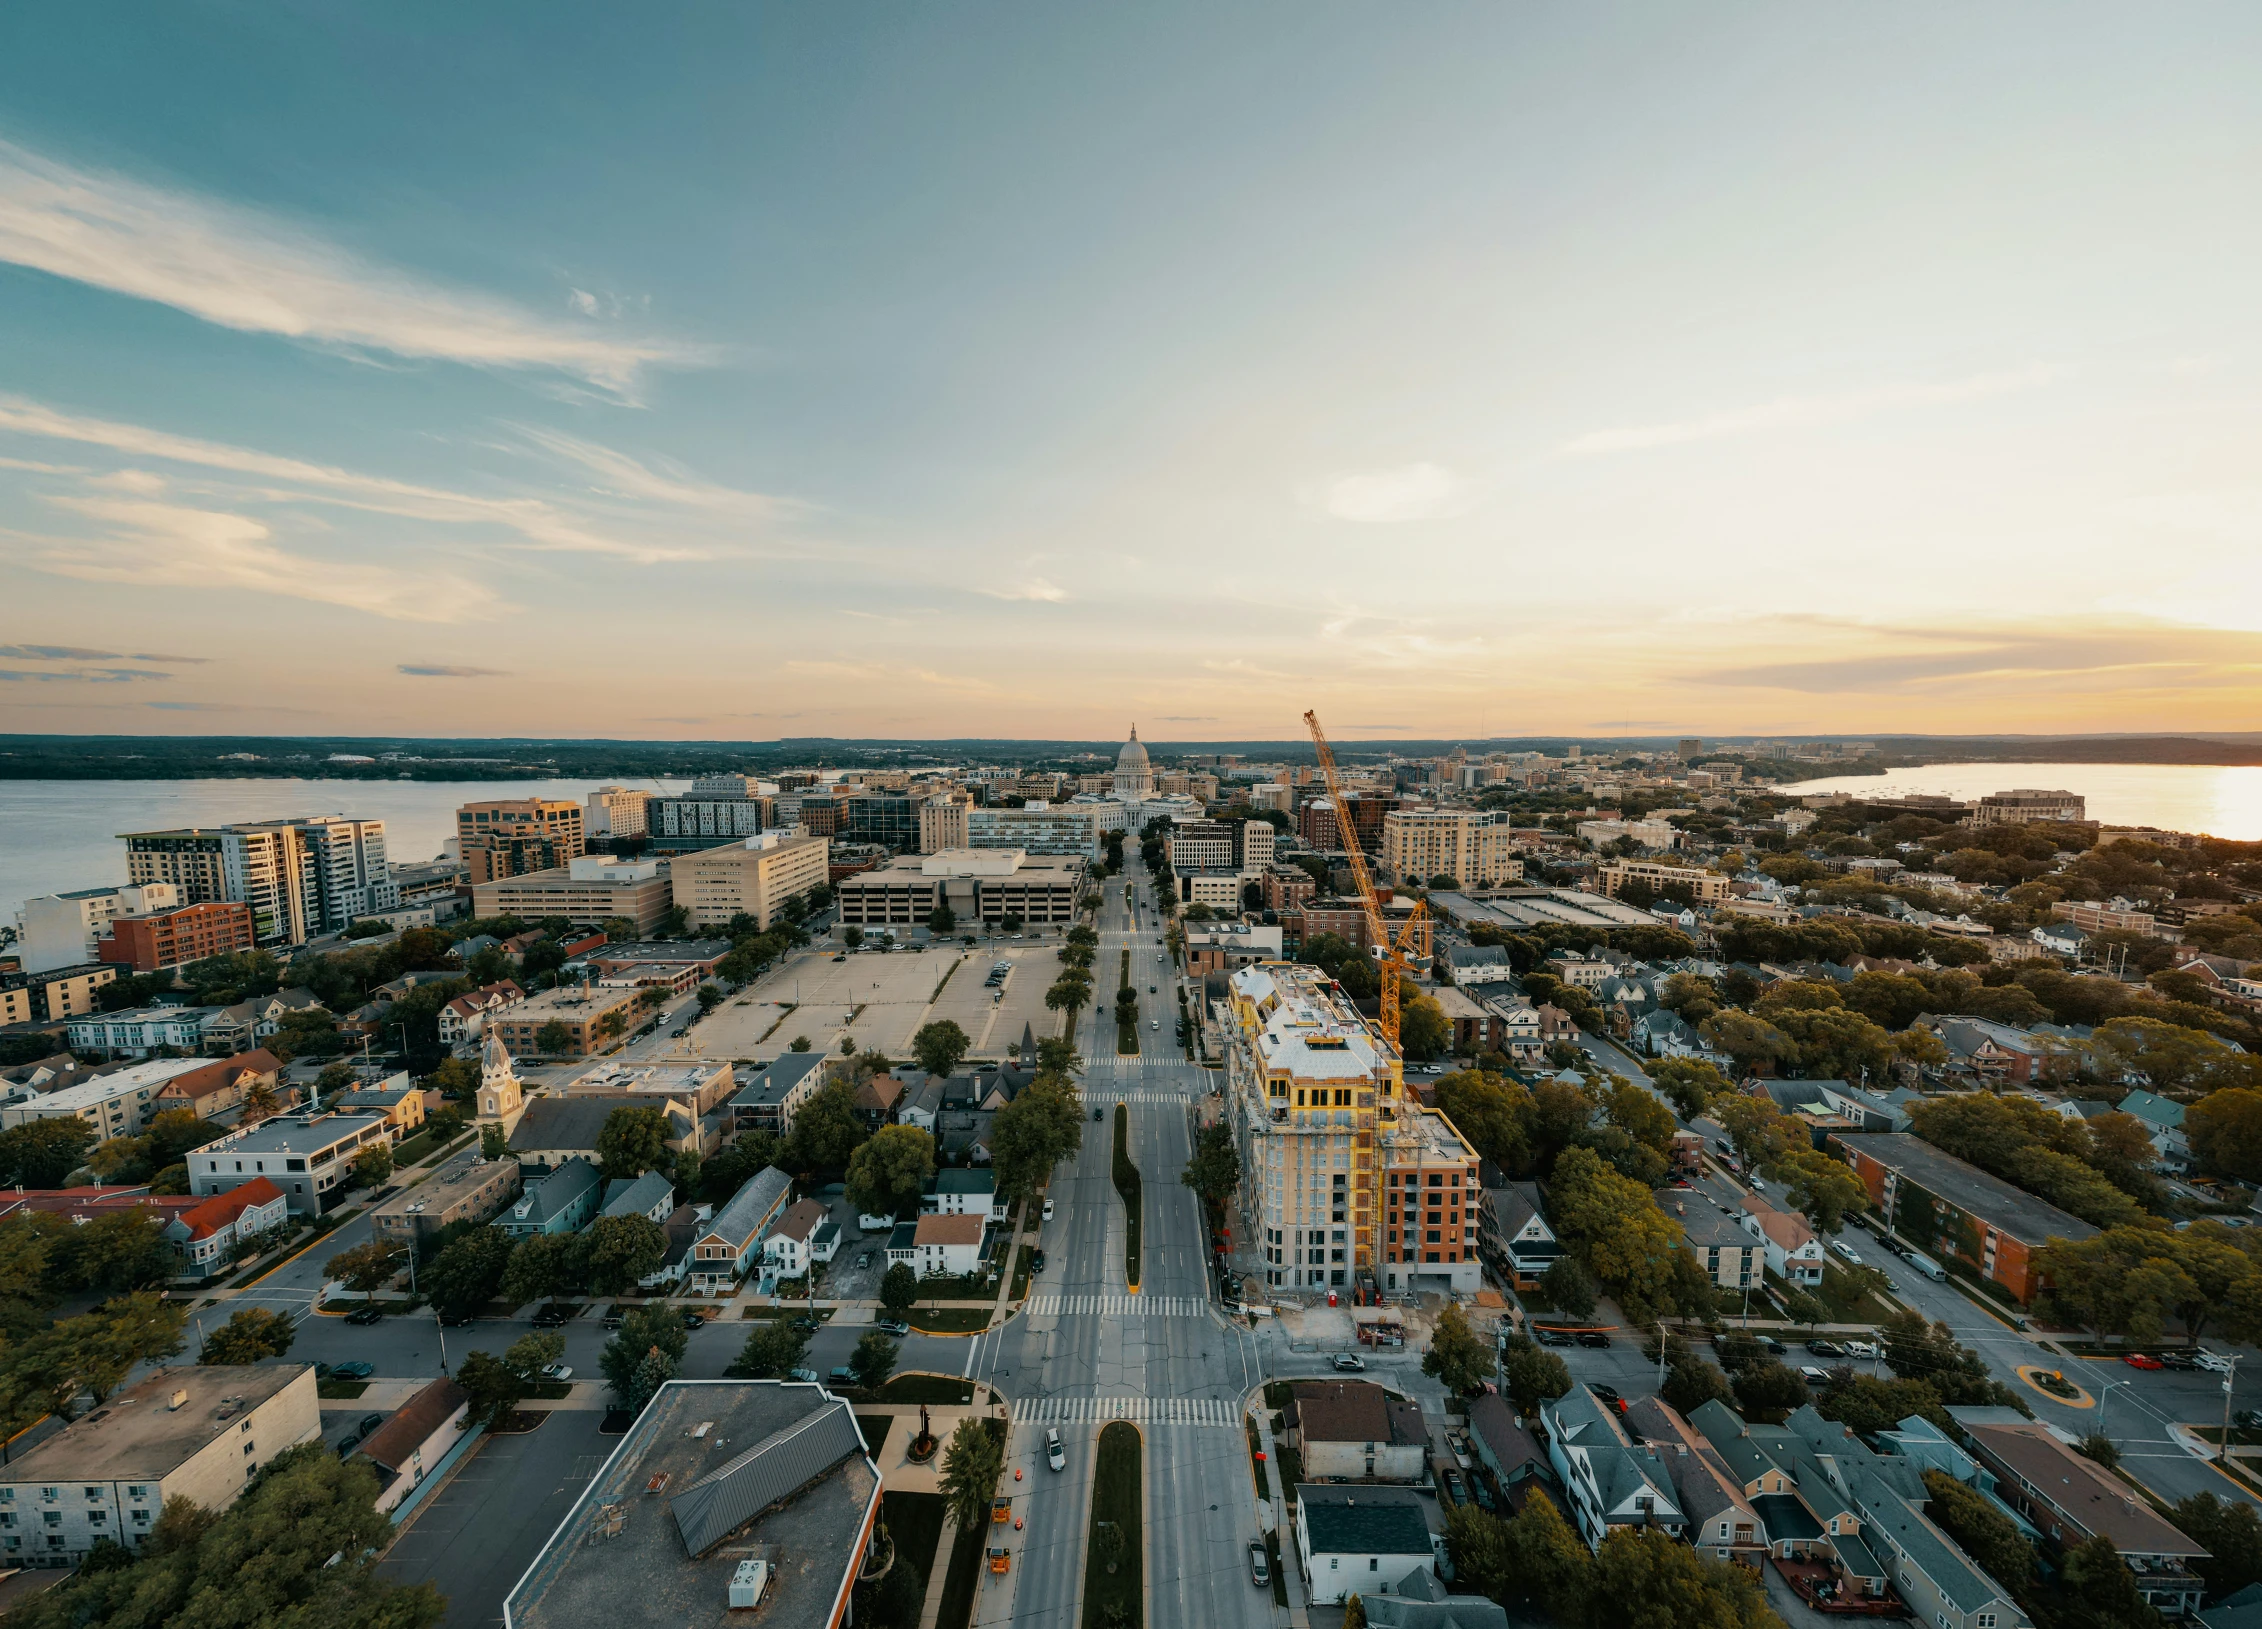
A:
(1414, 936)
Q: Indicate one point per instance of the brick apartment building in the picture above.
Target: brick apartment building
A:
(1955, 1212)
(176, 937)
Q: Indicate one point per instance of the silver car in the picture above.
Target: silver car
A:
(1055, 1455)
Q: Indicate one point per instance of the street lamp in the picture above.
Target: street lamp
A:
(2105, 1401)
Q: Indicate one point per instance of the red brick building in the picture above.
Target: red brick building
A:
(187, 933)
(1957, 1213)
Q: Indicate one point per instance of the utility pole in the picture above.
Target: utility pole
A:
(2225, 1445)
(1661, 1353)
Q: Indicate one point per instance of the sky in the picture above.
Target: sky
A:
(1028, 370)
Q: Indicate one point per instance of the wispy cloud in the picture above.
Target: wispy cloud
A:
(1036, 588)
(537, 523)
(662, 481)
(86, 675)
(418, 672)
(170, 546)
(248, 270)
(1920, 662)
(1239, 667)
(79, 653)
(1392, 497)
(1805, 412)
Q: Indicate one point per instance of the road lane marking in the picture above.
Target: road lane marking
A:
(1204, 1411)
(1119, 1306)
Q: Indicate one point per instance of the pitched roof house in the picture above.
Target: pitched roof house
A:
(1610, 1482)
(729, 1242)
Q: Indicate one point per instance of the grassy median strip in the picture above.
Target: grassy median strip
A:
(1126, 1010)
(1127, 1184)
(1115, 1554)
(1256, 1457)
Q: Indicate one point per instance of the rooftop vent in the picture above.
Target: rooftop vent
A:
(178, 1400)
(747, 1584)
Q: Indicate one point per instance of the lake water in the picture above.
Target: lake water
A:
(59, 835)
(2221, 801)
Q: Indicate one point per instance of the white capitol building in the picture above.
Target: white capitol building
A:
(1134, 800)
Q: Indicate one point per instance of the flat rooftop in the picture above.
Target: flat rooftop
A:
(592, 1573)
(1312, 1033)
(291, 1135)
(138, 1433)
(2012, 1210)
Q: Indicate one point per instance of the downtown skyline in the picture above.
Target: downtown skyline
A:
(1012, 374)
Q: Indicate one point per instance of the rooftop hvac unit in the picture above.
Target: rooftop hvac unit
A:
(747, 1584)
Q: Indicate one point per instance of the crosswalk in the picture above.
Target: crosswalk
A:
(1138, 1410)
(1102, 1098)
(1119, 1306)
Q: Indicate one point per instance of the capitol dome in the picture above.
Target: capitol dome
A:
(1134, 779)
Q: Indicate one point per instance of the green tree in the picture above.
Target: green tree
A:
(494, 1142)
(1424, 1032)
(494, 1388)
(1456, 1356)
(2225, 1129)
(1654, 1582)
(1768, 1391)
(553, 1039)
(889, 1169)
(1618, 1231)
(1039, 1128)
(545, 1265)
(873, 1360)
(771, 1351)
(1553, 1563)
(1692, 1382)
(1821, 1187)
(941, 919)
(46, 1372)
(971, 1463)
(899, 1288)
(1866, 1404)
(1570, 1289)
(367, 1267)
(1494, 1114)
(373, 1164)
(298, 1547)
(827, 1131)
(633, 1140)
(2231, 1534)
(531, 1353)
(621, 1251)
(800, 1043)
(468, 1271)
(1214, 1172)
(939, 1046)
(1982, 1532)
(1477, 1545)
(1749, 1041)
(43, 1153)
(1690, 1083)
(643, 1331)
(1533, 1375)
(248, 1336)
(2100, 1591)
(126, 1250)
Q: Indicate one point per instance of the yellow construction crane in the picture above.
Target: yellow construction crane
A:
(1413, 937)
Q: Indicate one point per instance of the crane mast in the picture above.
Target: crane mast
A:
(1413, 937)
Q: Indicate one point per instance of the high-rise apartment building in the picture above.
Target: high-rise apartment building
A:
(698, 821)
(1469, 845)
(942, 822)
(615, 811)
(302, 878)
(514, 837)
(65, 930)
(1332, 1150)
(1317, 823)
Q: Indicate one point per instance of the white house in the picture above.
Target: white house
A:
(966, 1193)
(801, 1236)
(2060, 938)
(1610, 1482)
(206, 1234)
(949, 1245)
(465, 1017)
(1359, 1540)
(1794, 1249)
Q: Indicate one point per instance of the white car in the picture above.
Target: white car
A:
(1868, 1349)
(1813, 1376)
(1055, 1455)
(558, 1371)
(2212, 1362)
(1844, 1251)
(1048, 1210)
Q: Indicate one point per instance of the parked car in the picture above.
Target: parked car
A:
(1550, 1337)
(1454, 1488)
(557, 1371)
(549, 1318)
(2212, 1362)
(1048, 1210)
(1844, 1251)
(894, 1326)
(1260, 1571)
(356, 1370)
(365, 1315)
(693, 1320)
(454, 1320)
(1592, 1337)
(1775, 1348)
(1608, 1395)
(2137, 1360)
(613, 1320)
(863, 1259)
(2179, 1360)
(1864, 1349)
(809, 1375)
(369, 1423)
(842, 1373)
(1055, 1455)
(1813, 1376)
(1037, 1262)
(1349, 1363)
(808, 1325)
(1826, 1348)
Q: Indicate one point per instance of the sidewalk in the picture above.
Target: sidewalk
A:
(1272, 1514)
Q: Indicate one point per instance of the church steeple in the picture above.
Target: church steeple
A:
(501, 1097)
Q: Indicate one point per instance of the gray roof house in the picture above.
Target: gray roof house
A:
(1513, 1233)
(775, 1091)
(561, 1202)
(1609, 1481)
(1721, 1519)
(1419, 1601)
(650, 1195)
(1360, 1540)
